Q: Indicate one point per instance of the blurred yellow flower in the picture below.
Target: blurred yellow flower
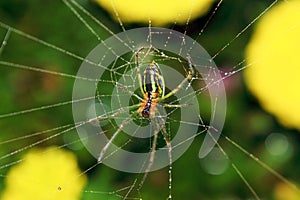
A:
(159, 11)
(285, 192)
(51, 174)
(273, 53)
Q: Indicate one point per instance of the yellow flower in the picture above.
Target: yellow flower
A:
(273, 53)
(51, 174)
(284, 192)
(159, 11)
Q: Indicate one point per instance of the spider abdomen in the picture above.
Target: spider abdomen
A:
(153, 81)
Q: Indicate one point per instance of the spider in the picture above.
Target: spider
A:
(152, 87)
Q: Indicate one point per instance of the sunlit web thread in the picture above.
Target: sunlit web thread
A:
(4, 42)
(129, 188)
(44, 107)
(186, 27)
(36, 134)
(120, 22)
(52, 73)
(21, 149)
(237, 35)
(251, 156)
(97, 21)
(149, 39)
(264, 165)
(82, 20)
(90, 29)
(39, 142)
(36, 69)
(233, 71)
(244, 29)
(52, 46)
(206, 24)
(236, 169)
(116, 193)
(68, 128)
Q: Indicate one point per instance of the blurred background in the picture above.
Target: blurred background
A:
(247, 122)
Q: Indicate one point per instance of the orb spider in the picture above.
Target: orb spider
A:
(152, 87)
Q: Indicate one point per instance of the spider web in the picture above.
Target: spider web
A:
(34, 84)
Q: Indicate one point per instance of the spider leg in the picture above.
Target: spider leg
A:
(114, 113)
(151, 159)
(139, 69)
(169, 146)
(125, 89)
(152, 155)
(188, 78)
(104, 149)
(176, 105)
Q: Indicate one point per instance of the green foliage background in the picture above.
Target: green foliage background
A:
(53, 22)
